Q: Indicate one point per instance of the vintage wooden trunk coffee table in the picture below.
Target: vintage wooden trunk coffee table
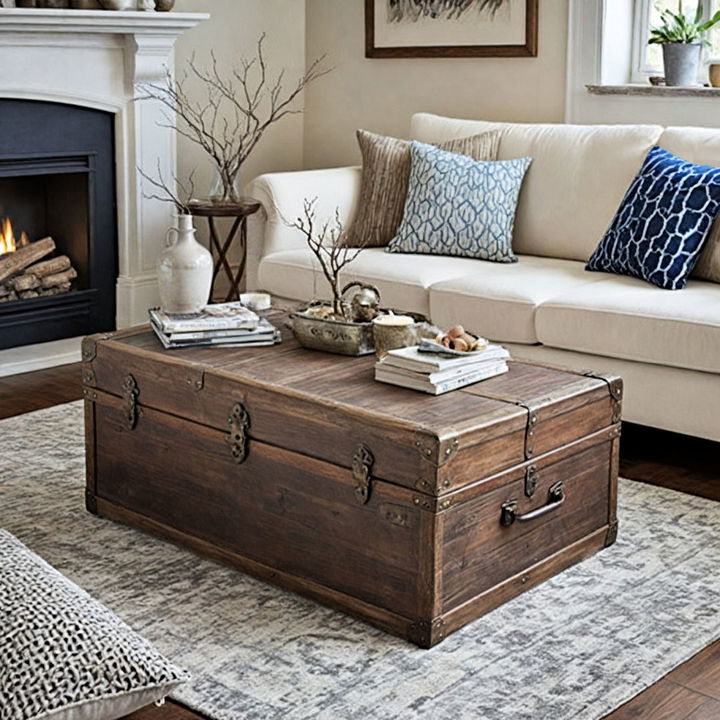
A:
(413, 512)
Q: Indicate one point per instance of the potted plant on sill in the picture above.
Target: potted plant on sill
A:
(681, 38)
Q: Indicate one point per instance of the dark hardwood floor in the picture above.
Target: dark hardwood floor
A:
(24, 393)
(690, 692)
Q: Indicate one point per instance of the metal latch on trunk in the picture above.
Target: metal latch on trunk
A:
(239, 422)
(130, 392)
(532, 477)
(362, 464)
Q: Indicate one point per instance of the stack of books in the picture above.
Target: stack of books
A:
(435, 374)
(221, 325)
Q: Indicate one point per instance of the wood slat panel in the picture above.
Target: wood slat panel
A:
(479, 553)
(290, 512)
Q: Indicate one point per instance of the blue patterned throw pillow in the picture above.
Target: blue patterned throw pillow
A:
(659, 229)
(459, 206)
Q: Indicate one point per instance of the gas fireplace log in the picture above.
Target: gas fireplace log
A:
(24, 282)
(9, 298)
(57, 290)
(13, 263)
(58, 278)
(28, 294)
(49, 267)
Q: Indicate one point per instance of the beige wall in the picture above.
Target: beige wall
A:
(376, 94)
(381, 94)
(232, 33)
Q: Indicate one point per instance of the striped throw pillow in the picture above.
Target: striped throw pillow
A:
(385, 177)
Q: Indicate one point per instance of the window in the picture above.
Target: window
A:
(647, 59)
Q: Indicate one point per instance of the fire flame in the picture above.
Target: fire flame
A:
(7, 238)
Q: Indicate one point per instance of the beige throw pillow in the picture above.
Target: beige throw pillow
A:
(708, 264)
(384, 183)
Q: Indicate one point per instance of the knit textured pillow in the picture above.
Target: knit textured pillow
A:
(384, 183)
(63, 655)
(459, 206)
(708, 264)
(659, 229)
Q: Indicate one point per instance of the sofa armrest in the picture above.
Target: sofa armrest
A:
(282, 196)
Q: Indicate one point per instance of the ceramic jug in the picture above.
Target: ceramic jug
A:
(185, 270)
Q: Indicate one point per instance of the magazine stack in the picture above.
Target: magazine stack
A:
(221, 325)
(436, 374)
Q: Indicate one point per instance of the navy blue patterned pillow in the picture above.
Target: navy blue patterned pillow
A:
(659, 229)
(459, 206)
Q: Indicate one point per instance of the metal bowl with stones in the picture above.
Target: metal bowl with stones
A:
(342, 337)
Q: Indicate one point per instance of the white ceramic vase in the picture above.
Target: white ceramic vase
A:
(185, 270)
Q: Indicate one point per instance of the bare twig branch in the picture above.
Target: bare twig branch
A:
(234, 112)
(326, 243)
(167, 193)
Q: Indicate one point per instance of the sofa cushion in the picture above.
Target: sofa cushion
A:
(499, 301)
(694, 144)
(385, 177)
(701, 146)
(662, 223)
(627, 318)
(577, 179)
(458, 206)
(402, 279)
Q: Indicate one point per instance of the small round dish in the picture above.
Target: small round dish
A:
(430, 346)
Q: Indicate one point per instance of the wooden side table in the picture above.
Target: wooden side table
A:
(240, 211)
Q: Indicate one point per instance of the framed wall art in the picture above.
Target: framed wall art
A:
(450, 28)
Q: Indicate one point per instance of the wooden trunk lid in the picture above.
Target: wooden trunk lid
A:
(329, 407)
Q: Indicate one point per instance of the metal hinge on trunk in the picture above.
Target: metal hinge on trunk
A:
(530, 427)
(615, 387)
(195, 379)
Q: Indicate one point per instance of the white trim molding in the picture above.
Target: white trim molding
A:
(600, 53)
(97, 22)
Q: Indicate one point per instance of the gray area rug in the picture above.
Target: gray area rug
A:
(574, 648)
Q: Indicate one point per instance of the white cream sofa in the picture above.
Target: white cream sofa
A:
(666, 344)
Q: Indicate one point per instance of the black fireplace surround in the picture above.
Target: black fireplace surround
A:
(57, 178)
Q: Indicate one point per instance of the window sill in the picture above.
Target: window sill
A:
(654, 90)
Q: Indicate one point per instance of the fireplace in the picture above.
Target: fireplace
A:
(82, 70)
(58, 237)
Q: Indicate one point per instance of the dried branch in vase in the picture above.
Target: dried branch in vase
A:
(239, 105)
(326, 243)
(167, 193)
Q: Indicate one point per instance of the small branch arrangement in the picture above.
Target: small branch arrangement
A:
(179, 197)
(325, 241)
(229, 120)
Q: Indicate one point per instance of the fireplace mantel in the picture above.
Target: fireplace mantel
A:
(105, 22)
(100, 59)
